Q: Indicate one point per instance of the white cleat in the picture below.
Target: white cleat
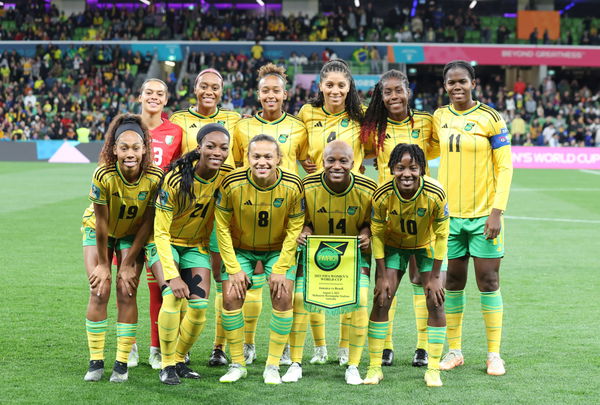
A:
(155, 358)
(343, 353)
(95, 371)
(285, 360)
(271, 375)
(235, 373)
(293, 374)
(249, 353)
(495, 364)
(134, 356)
(353, 376)
(320, 355)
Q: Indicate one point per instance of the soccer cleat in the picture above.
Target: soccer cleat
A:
(319, 355)
(285, 360)
(187, 359)
(343, 353)
(218, 358)
(95, 371)
(184, 371)
(119, 373)
(134, 356)
(374, 375)
(168, 375)
(387, 358)
(420, 358)
(293, 374)
(249, 353)
(271, 375)
(155, 359)
(353, 376)
(235, 373)
(432, 378)
(453, 358)
(495, 364)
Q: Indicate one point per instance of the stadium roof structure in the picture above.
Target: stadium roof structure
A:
(175, 4)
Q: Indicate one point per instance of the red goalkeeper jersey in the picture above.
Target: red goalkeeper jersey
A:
(166, 143)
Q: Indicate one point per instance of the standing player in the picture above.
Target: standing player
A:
(476, 170)
(119, 220)
(184, 220)
(389, 121)
(208, 88)
(259, 216)
(338, 202)
(166, 147)
(290, 133)
(336, 113)
(410, 218)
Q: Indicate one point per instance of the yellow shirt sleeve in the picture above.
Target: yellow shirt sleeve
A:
(433, 145)
(236, 151)
(162, 230)
(378, 222)
(98, 189)
(441, 229)
(503, 167)
(295, 222)
(223, 216)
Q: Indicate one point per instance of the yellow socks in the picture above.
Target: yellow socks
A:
(281, 325)
(435, 342)
(298, 332)
(253, 307)
(455, 307)
(168, 326)
(421, 315)
(345, 321)
(233, 323)
(317, 325)
(389, 344)
(377, 333)
(219, 331)
(358, 324)
(125, 339)
(191, 327)
(492, 308)
(96, 336)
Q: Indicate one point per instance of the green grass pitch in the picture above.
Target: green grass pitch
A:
(549, 284)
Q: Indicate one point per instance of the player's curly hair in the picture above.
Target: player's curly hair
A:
(459, 64)
(353, 105)
(375, 121)
(271, 69)
(415, 152)
(107, 155)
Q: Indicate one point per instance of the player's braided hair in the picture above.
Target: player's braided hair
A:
(375, 121)
(272, 70)
(414, 151)
(459, 64)
(353, 106)
(107, 154)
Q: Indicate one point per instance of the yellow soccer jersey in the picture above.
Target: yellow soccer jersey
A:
(191, 122)
(475, 159)
(419, 132)
(418, 223)
(185, 225)
(252, 218)
(127, 202)
(289, 132)
(324, 127)
(329, 213)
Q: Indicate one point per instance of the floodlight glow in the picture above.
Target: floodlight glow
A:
(473, 4)
(356, 3)
(260, 3)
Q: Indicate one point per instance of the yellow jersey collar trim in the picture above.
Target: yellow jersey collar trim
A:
(332, 114)
(414, 197)
(204, 117)
(330, 191)
(125, 180)
(264, 121)
(404, 121)
(469, 111)
(200, 179)
(259, 188)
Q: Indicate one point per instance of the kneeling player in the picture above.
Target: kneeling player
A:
(410, 217)
(260, 213)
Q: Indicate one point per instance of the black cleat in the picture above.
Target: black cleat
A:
(168, 375)
(184, 371)
(218, 358)
(95, 371)
(421, 358)
(387, 359)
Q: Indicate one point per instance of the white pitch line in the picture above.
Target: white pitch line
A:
(596, 172)
(555, 189)
(583, 221)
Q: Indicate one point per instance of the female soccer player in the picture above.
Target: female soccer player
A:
(388, 121)
(208, 88)
(260, 213)
(336, 113)
(119, 220)
(290, 133)
(410, 217)
(338, 203)
(476, 170)
(166, 147)
(184, 220)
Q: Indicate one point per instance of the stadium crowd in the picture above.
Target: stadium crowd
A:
(430, 23)
(57, 94)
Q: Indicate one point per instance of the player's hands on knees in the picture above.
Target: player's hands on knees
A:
(238, 284)
(434, 290)
(99, 278)
(278, 285)
(383, 291)
(309, 166)
(493, 224)
(128, 275)
(179, 288)
(364, 241)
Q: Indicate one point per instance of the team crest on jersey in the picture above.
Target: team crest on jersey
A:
(352, 210)
(163, 197)
(345, 122)
(421, 211)
(95, 191)
(469, 126)
(328, 255)
(221, 122)
(446, 211)
(169, 139)
(278, 202)
(142, 195)
(283, 137)
(415, 133)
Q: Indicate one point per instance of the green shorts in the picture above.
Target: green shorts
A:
(248, 259)
(188, 257)
(89, 239)
(466, 239)
(398, 259)
(151, 254)
(364, 261)
(213, 246)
